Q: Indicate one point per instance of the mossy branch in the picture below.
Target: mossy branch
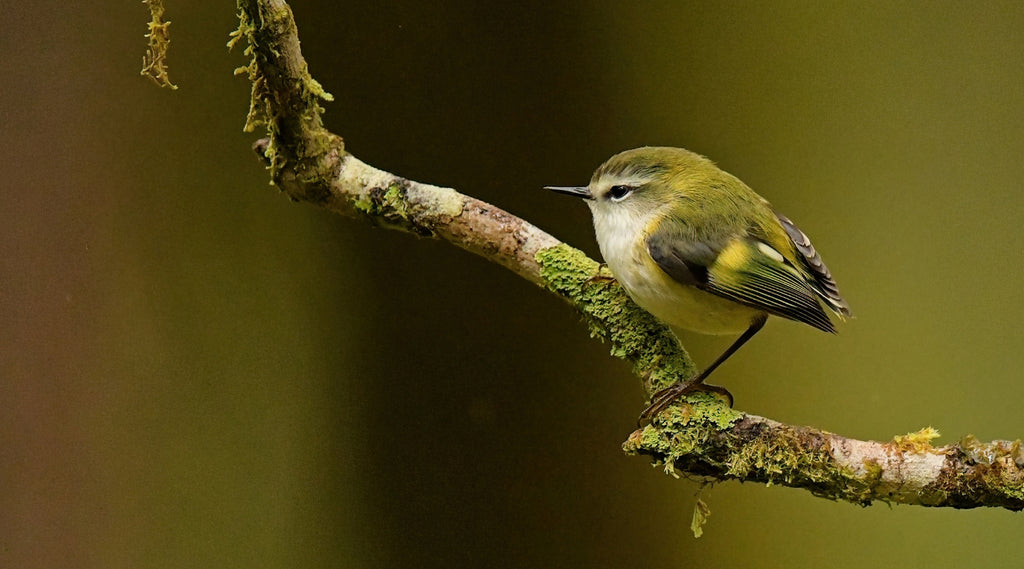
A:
(286, 100)
(700, 436)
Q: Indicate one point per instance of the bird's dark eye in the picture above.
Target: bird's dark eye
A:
(620, 192)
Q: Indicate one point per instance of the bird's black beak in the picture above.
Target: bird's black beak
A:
(578, 191)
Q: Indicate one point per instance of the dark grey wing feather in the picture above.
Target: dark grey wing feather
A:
(686, 262)
(823, 283)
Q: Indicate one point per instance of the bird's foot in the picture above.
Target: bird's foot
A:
(662, 399)
(600, 277)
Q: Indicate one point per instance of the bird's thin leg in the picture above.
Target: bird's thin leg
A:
(599, 278)
(665, 397)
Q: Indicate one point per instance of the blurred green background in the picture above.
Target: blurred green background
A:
(195, 372)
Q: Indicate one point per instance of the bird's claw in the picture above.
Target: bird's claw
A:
(662, 399)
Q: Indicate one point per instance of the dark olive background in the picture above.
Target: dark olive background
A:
(196, 372)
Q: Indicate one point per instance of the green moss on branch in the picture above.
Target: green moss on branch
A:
(302, 155)
(611, 315)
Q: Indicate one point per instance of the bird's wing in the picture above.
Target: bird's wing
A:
(823, 283)
(742, 269)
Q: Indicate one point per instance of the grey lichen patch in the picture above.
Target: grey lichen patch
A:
(437, 201)
(997, 468)
(610, 314)
(395, 202)
(987, 453)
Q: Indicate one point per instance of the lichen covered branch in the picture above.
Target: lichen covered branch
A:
(702, 439)
(286, 99)
(700, 436)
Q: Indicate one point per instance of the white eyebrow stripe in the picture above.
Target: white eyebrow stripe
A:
(633, 179)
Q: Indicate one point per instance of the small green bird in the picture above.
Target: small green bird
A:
(698, 249)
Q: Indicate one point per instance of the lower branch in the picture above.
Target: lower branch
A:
(704, 440)
(699, 436)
